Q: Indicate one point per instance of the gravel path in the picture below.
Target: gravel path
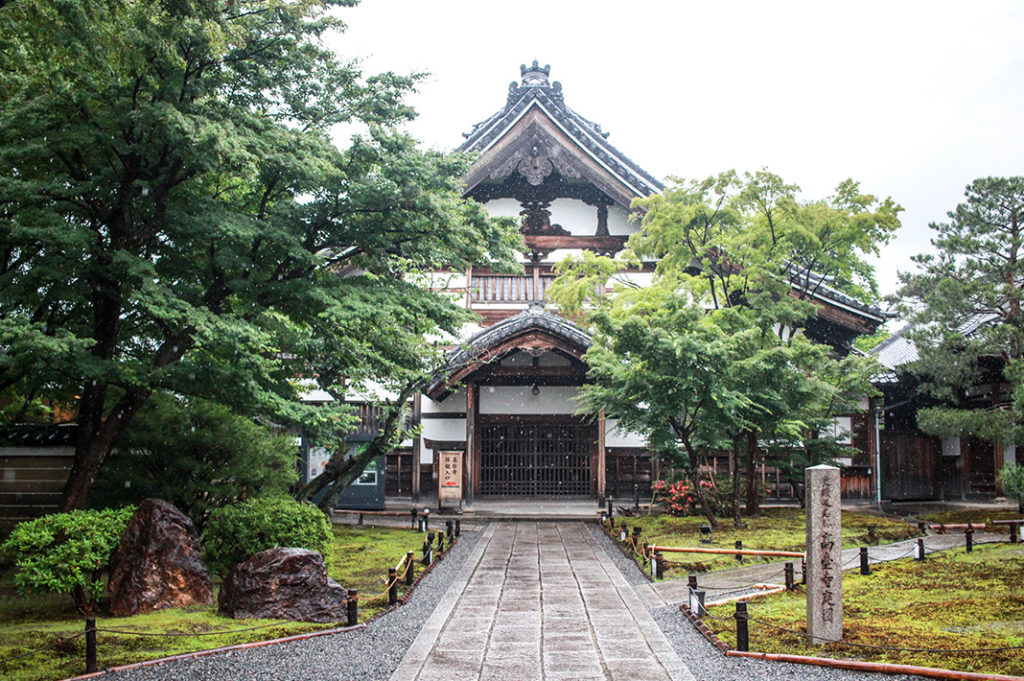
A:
(705, 661)
(371, 654)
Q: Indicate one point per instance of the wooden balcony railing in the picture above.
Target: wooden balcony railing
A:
(502, 288)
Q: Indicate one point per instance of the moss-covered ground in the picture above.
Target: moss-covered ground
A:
(778, 529)
(970, 516)
(359, 560)
(960, 603)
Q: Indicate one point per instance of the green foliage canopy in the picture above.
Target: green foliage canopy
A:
(174, 216)
(197, 455)
(965, 304)
(712, 350)
(67, 552)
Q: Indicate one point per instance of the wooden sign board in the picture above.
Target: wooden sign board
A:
(449, 478)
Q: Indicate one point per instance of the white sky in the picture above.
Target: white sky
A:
(913, 99)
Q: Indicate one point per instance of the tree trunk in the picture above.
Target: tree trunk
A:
(753, 492)
(693, 475)
(737, 477)
(95, 438)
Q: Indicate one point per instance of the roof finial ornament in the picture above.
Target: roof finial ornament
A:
(534, 75)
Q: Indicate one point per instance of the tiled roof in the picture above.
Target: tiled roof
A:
(535, 90)
(897, 350)
(534, 317)
(818, 286)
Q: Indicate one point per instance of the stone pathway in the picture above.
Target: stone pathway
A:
(537, 602)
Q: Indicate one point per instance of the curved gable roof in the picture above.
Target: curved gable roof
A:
(534, 329)
(536, 109)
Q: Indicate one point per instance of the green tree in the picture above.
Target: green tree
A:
(712, 354)
(197, 455)
(174, 216)
(965, 304)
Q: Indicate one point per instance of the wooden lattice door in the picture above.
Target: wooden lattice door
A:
(536, 458)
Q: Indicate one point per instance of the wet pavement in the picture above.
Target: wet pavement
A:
(540, 601)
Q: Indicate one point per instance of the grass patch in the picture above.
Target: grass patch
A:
(778, 529)
(953, 600)
(360, 557)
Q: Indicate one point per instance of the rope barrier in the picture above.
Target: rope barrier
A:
(176, 634)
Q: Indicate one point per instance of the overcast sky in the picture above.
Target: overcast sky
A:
(912, 99)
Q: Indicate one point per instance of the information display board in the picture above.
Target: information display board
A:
(449, 478)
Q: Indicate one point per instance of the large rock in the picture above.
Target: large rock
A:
(157, 563)
(283, 583)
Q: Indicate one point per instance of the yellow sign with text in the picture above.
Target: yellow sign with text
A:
(449, 478)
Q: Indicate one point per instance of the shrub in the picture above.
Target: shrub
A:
(235, 532)
(1011, 478)
(67, 552)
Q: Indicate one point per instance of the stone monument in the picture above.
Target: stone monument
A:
(824, 555)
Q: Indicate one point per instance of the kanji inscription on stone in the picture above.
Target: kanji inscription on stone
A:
(824, 555)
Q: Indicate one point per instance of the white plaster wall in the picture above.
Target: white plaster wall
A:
(638, 278)
(438, 280)
(575, 216)
(517, 399)
(841, 428)
(456, 402)
(613, 437)
(440, 429)
(503, 208)
(618, 221)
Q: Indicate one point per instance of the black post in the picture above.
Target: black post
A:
(691, 582)
(353, 607)
(636, 497)
(393, 586)
(697, 602)
(742, 634)
(458, 527)
(360, 521)
(449, 528)
(659, 570)
(922, 528)
(90, 645)
(409, 572)
(865, 569)
(426, 553)
(920, 548)
(969, 537)
(803, 571)
(1014, 538)
(739, 547)
(790, 582)
(610, 513)
(440, 543)
(426, 519)
(421, 526)
(413, 514)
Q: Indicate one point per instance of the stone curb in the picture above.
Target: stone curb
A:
(703, 628)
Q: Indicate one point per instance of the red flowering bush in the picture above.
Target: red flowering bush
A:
(676, 496)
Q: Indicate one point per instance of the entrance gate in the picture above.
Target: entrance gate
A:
(536, 457)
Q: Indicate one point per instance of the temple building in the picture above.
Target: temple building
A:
(507, 411)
